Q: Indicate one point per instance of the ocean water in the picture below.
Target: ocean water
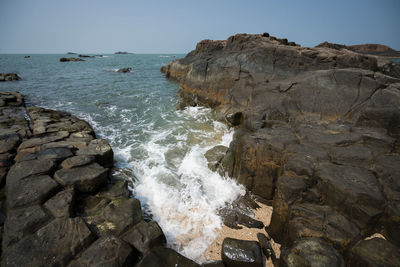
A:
(136, 112)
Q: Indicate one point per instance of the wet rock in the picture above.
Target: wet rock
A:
(266, 247)
(116, 217)
(166, 257)
(106, 251)
(9, 142)
(31, 190)
(4, 77)
(215, 155)
(124, 70)
(53, 245)
(101, 150)
(119, 189)
(85, 179)
(374, 252)
(354, 190)
(62, 204)
(64, 59)
(387, 168)
(237, 253)
(311, 252)
(33, 142)
(21, 222)
(145, 235)
(77, 161)
(214, 264)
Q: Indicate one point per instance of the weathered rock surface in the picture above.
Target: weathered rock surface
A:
(236, 253)
(166, 257)
(317, 131)
(5, 77)
(65, 59)
(58, 204)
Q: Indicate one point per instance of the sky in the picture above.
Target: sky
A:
(159, 26)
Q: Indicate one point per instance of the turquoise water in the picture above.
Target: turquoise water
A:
(136, 112)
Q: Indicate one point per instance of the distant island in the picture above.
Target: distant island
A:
(122, 53)
(71, 53)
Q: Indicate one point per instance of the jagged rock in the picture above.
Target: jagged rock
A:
(166, 257)
(21, 222)
(53, 245)
(352, 189)
(215, 155)
(145, 235)
(124, 70)
(101, 150)
(106, 251)
(374, 252)
(119, 189)
(311, 252)
(85, 179)
(57, 154)
(115, 216)
(9, 142)
(237, 253)
(31, 190)
(62, 204)
(77, 161)
(266, 247)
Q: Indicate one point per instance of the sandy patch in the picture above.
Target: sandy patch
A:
(213, 253)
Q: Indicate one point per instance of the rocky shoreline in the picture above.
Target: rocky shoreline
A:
(317, 133)
(59, 204)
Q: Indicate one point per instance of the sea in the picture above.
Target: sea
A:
(159, 148)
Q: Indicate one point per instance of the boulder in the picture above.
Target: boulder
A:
(124, 70)
(62, 204)
(374, 252)
(85, 179)
(4, 77)
(144, 236)
(311, 252)
(106, 251)
(28, 168)
(77, 161)
(241, 253)
(101, 150)
(53, 245)
(215, 155)
(65, 59)
(166, 257)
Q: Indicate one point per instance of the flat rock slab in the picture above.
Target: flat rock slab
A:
(77, 161)
(165, 257)
(311, 252)
(57, 154)
(373, 253)
(85, 179)
(145, 235)
(53, 245)
(62, 204)
(31, 190)
(241, 253)
(101, 150)
(24, 169)
(106, 251)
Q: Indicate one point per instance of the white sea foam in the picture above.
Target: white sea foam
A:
(176, 186)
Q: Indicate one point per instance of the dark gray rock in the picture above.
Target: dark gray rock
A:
(53, 245)
(145, 235)
(31, 190)
(241, 253)
(311, 252)
(57, 154)
(266, 247)
(85, 179)
(9, 142)
(106, 251)
(24, 169)
(101, 150)
(214, 264)
(124, 70)
(165, 257)
(215, 155)
(62, 204)
(77, 161)
(119, 189)
(4, 77)
(374, 252)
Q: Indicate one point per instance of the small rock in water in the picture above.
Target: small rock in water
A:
(124, 70)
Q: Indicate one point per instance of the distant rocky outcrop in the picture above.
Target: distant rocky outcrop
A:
(71, 53)
(64, 59)
(59, 206)
(81, 55)
(6, 77)
(121, 53)
(369, 49)
(317, 132)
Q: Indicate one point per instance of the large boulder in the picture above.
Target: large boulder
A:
(241, 253)
(166, 257)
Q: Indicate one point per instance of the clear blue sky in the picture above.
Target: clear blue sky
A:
(100, 26)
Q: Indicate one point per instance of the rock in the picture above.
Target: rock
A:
(27, 168)
(311, 252)
(374, 252)
(101, 150)
(265, 34)
(237, 253)
(119, 189)
(77, 161)
(266, 247)
(21, 222)
(80, 55)
(53, 245)
(124, 70)
(64, 59)
(166, 257)
(31, 190)
(115, 216)
(4, 77)
(352, 189)
(144, 236)
(9, 142)
(215, 155)
(85, 179)
(121, 53)
(33, 142)
(106, 251)
(57, 154)
(62, 204)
